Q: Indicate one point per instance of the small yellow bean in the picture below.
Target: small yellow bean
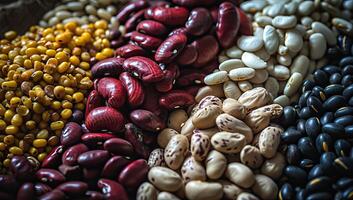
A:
(39, 143)
(16, 150)
(58, 125)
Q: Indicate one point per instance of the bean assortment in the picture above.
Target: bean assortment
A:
(224, 149)
(319, 136)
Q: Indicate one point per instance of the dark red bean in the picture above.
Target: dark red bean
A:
(145, 41)
(91, 174)
(71, 172)
(135, 136)
(73, 188)
(93, 158)
(71, 134)
(8, 183)
(107, 67)
(26, 192)
(214, 13)
(193, 3)
(170, 74)
(134, 88)
(114, 166)
(170, 48)
(94, 100)
(134, 173)
(151, 100)
(210, 67)
(41, 188)
(177, 31)
(170, 16)
(50, 176)
(245, 27)
(132, 22)
(227, 24)
(117, 42)
(53, 195)
(126, 11)
(154, 4)
(93, 195)
(21, 168)
(146, 120)
(112, 190)
(199, 22)
(188, 56)
(71, 155)
(192, 90)
(53, 159)
(207, 49)
(176, 99)
(6, 196)
(144, 68)
(130, 50)
(113, 91)
(105, 118)
(119, 146)
(96, 139)
(151, 27)
(190, 77)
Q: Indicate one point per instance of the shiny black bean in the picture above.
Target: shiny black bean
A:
(344, 120)
(320, 77)
(343, 183)
(333, 89)
(287, 192)
(306, 164)
(335, 130)
(348, 92)
(347, 80)
(344, 111)
(315, 172)
(307, 148)
(303, 99)
(326, 118)
(301, 125)
(293, 155)
(319, 184)
(344, 166)
(319, 93)
(301, 194)
(314, 103)
(348, 193)
(349, 131)
(291, 136)
(306, 113)
(347, 70)
(289, 116)
(323, 143)
(350, 101)
(335, 78)
(351, 154)
(326, 162)
(320, 196)
(295, 175)
(334, 102)
(346, 61)
(331, 69)
(312, 127)
(308, 85)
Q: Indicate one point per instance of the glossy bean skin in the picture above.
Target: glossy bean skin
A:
(133, 21)
(175, 99)
(191, 77)
(71, 155)
(119, 146)
(170, 48)
(170, 16)
(207, 48)
(94, 100)
(93, 195)
(22, 168)
(96, 139)
(105, 118)
(130, 50)
(71, 172)
(245, 27)
(151, 27)
(8, 183)
(188, 56)
(135, 136)
(145, 41)
(192, 3)
(53, 195)
(137, 169)
(26, 191)
(53, 159)
(134, 89)
(41, 188)
(114, 166)
(73, 188)
(199, 22)
(146, 120)
(50, 176)
(125, 12)
(227, 24)
(144, 68)
(112, 190)
(93, 158)
(170, 74)
(71, 134)
(113, 91)
(109, 67)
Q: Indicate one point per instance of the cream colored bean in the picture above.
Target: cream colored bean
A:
(300, 65)
(52, 21)
(272, 86)
(91, 10)
(253, 61)
(284, 22)
(258, 32)
(228, 123)
(245, 86)
(209, 100)
(164, 136)
(230, 190)
(230, 64)
(265, 187)
(330, 37)
(280, 72)
(247, 196)
(61, 15)
(231, 90)
(156, 158)
(240, 174)
(293, 40)
(291, 7)
(176, 150)
(282, 100)
(216, 78)
(306, 7)
(92, 18)
(199, 190)
(253, 6)
(274, 10)
(261, 75)
(192, 170)
(343, 25)
(273, 167)
(215, 90)
(215, 163)
(103, 14)
(269, 141)
(176, 119)
(209, 132)
(263, 20)
(188, 128)
(167, 195)
(241, 74)
(250, 43)
(165, 179)
(74, 6)
(285, 60)
(227, 142)
(234, 52)
(251, 156)
(199, 146)
(206, 117)
(255, 98)
(146, 191)
(317, 44)
(293, 84)
(259, 118)
(262, 53)
(234, 108)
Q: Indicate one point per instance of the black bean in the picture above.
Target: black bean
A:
(335, 78)
(349, 131)
(287, 192)
(303, 99)
(312, 127)
(306, 164)
(348, 60)
(319, 93)
(344, 120)
(308, 85)
(319, 184)
(306, 147)
(347, 80)
(344, 111)
(295, 175)
(348, 92)
(347, 70)
(306, 112)
(315, 172)
(314, 103)
(320, 77)
(326, 118)
(323, 143)
(344, 43)
(351, 154)
(301, 125)
(320, 196)
(293, 154)
(301, 194)
(333, 89)
(350, 102)
(348, 193)
(342, 147)
(326, 162)
(343, 183)
(344, 165)
(335, 130)
(333, 103)
(331, 69)
(291, 136)
(289, 116)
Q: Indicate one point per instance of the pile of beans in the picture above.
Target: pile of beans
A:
(44, 78)
(289, 42)
(224, 150)
(83, 12)
(319, 136)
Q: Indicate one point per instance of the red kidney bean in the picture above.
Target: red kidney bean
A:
(154, 4)
(108, 67)
(53, 195)
(93, 195)
(134, 89)
(112, 190)
(94, 100)
(96, 139)
(77, 116)
(6, 196)
(175, 99)
(91, 174)
(134, 173)
(227, 24)
(105, 118)
(245, 27)
(170, 74)
(170, 16)
(114, 166)
(199, 22)
(210, 67)
(71, 134)
(26, 192)
(117, 42)
(193, 3)
(93, 158)
(119, 146)
(41, 188)
(144, 68)
(130, 50)
(192, 90)
(135, 136)
(188, 56)
(170, 48)
(71, 155)
(151, 27)
(214, 13)
(114, 34)
(22, 168)
(177, 31)
(50, 176)
(146, 120)
(132, 22)
(73, 188)
(207, 49)
(71, 172)
(113, 91)
(151, 100)
(190, 77)
(126, 11)
(52, 160)
(8, 183)
(145, 41)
